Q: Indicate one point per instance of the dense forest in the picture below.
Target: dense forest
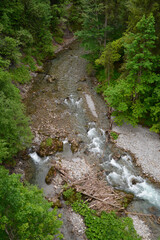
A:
(122, 41)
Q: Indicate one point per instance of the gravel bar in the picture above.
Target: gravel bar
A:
(144, 144)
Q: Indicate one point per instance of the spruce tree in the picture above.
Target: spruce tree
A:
(129, 96)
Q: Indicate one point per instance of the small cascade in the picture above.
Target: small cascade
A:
(123, 175)
(38, 160)
(67, 148)
(72, 102)
(96, 137)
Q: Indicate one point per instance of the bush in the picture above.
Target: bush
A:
(21, 74)
(15, 134)
(24, 213)
(107, 226)
(114, 135)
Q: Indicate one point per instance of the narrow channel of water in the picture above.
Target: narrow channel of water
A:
(71, 103)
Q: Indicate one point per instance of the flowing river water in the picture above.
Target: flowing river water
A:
(70, 108)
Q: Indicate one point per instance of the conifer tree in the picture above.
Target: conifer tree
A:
(129, 96)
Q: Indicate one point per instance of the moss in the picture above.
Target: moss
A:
(50, 175)
(50, 146)
(74, 146)
(49, 142)
(56, 204)
(127, 200)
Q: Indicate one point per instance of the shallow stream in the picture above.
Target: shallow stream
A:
(70, 108)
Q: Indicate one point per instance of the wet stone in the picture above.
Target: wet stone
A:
(50, 175)
(50, 146)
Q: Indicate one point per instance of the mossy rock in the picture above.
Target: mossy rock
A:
(50, 146)
(128, 198)
(74, 146)
(50, 175)
(55, 202)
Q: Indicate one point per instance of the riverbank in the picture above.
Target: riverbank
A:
(145, 146)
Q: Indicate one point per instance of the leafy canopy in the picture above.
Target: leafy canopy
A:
(24, 213)
(130, 95)
(15, 133)
(107, 226)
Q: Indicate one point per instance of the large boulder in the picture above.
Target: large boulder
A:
(50, 146)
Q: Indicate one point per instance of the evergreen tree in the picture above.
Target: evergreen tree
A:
(15, 134)
(137, 9)
(92, 33)
(129, 96)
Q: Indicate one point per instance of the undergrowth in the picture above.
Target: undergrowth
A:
(107, 226)
(114, 135)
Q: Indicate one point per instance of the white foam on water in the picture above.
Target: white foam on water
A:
(71, 101)
(96, 143)
(66, 102)
(127, 158)
(92, 133)
(78, 102)
(37, 159)
(115, 164)
(103, 133)
(65, 141)
(67, 148)
(124, 179)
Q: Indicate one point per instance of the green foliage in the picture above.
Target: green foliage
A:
(92, 32)
(109, 56)
(25, 37)
(90, 69)
(3, 150)
(21, 74)
(28, 60)
(9, 49)
(131, 95)
(70, 195)
(107, 226)
(15, 134)
(49, 142)
(27, 24)
(24, 213)
(75, 18)
(4, 63)
(114, 135)
(58, 39)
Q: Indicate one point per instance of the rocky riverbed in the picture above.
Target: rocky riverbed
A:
(144, 144)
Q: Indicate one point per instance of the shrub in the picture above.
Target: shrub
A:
(107, 226)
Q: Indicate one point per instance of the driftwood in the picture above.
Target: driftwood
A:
(139, 214)
(156, 219)
(100, 196)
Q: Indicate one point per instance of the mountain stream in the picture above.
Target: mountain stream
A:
(69, 107)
